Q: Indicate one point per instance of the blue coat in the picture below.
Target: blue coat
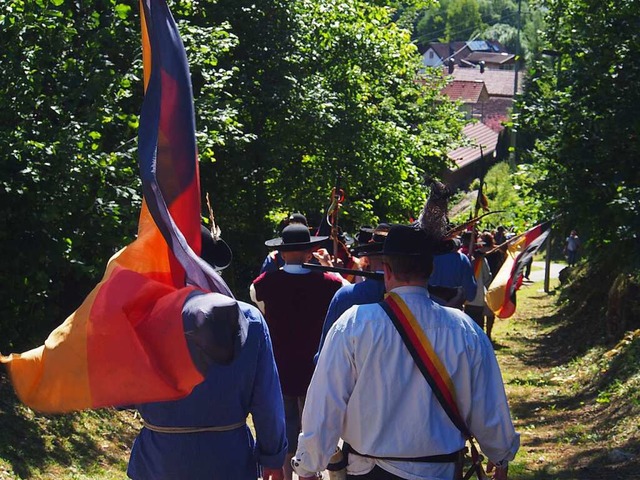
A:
(249, 385)
(369, 291)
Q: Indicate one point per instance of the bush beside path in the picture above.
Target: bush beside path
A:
(577, 408)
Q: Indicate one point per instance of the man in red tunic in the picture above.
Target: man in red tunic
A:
(294, 301)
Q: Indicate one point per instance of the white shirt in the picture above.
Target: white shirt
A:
(367, 390)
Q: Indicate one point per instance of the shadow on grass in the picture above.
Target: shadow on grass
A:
(31, 442)
(588, 464)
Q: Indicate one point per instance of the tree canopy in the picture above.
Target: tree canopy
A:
(289, 95)
(580, 127)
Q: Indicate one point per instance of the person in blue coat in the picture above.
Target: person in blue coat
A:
(370, 290)
(453, 269)
(205, 435)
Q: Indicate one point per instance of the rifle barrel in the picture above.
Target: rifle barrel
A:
(347, 271)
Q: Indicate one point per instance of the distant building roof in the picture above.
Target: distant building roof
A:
(499, 83)
(480, 135)
(490, 57)
(468, 91)
(445, 50)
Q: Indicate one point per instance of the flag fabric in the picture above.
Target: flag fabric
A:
(501, 294)
(128, 341)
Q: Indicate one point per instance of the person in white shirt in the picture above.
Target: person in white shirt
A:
(368, 391)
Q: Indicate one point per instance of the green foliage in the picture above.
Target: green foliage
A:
(580, 123)
(463, 19)
(510, 191)
(67, 122)
(288, 95)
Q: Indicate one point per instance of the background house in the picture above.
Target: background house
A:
(470, 160)
(486, 95)
(467, 54)
(473, 95)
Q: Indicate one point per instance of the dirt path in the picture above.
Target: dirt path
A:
(565, 428)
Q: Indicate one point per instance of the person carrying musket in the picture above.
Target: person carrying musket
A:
(402, 415)
(294, 300)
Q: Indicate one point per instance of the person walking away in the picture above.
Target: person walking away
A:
(273, 261)
(475, 307)
(204, 436)
(371, 290)
(368, 390)
(453, 269)
(294, 300)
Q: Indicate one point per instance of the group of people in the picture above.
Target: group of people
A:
(329, 371)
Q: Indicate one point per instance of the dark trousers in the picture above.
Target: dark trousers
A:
(476, 313)
(376, 474)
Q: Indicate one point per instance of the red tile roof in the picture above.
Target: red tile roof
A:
(479, 135)
(499, 83)
(465, 90)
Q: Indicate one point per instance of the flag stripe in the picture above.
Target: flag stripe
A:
(501, 294)
(126, 343)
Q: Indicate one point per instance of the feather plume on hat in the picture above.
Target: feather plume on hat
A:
(433, 218)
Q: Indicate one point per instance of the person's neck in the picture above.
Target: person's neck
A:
(391, 284)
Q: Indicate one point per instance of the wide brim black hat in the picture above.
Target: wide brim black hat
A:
(375, 243)
(407, 241)
(215, 252)
(295, 237)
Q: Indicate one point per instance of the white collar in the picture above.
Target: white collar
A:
(295, 269)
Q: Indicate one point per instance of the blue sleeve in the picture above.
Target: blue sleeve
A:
(267, 408)
(336, 308)
(468, 279)
(271, 263)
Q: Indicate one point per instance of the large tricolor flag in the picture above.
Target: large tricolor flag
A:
(501, 294)
(131, 340)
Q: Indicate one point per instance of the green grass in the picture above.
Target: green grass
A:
(574, 400)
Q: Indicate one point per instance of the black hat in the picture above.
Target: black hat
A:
(298, 218)
(295, 237)
(364, 235)
(375, 243)
(407, 241)
(215, 251)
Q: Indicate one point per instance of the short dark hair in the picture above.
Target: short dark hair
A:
(407, 268)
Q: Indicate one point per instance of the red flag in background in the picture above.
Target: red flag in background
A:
(501, 294)
(133, 339)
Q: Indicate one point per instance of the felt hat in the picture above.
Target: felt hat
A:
(215, 251)
(295, 237)
(298, 218)
(364, 235)
(375, 243)
(407, 241)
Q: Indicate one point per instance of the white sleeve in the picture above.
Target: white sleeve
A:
(490, 420)
(254, 299)
(327, 398)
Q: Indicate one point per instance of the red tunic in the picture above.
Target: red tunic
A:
(295, 306)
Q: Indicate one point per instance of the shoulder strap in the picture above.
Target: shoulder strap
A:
(431, 368)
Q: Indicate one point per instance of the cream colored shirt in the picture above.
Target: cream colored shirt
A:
(367, 390)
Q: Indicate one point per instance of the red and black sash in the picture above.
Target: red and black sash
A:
(432, 369)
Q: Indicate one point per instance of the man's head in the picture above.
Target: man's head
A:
(407, 256)
(373, 246)
(296, 243)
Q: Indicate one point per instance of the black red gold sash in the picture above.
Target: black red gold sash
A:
(432, 369)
